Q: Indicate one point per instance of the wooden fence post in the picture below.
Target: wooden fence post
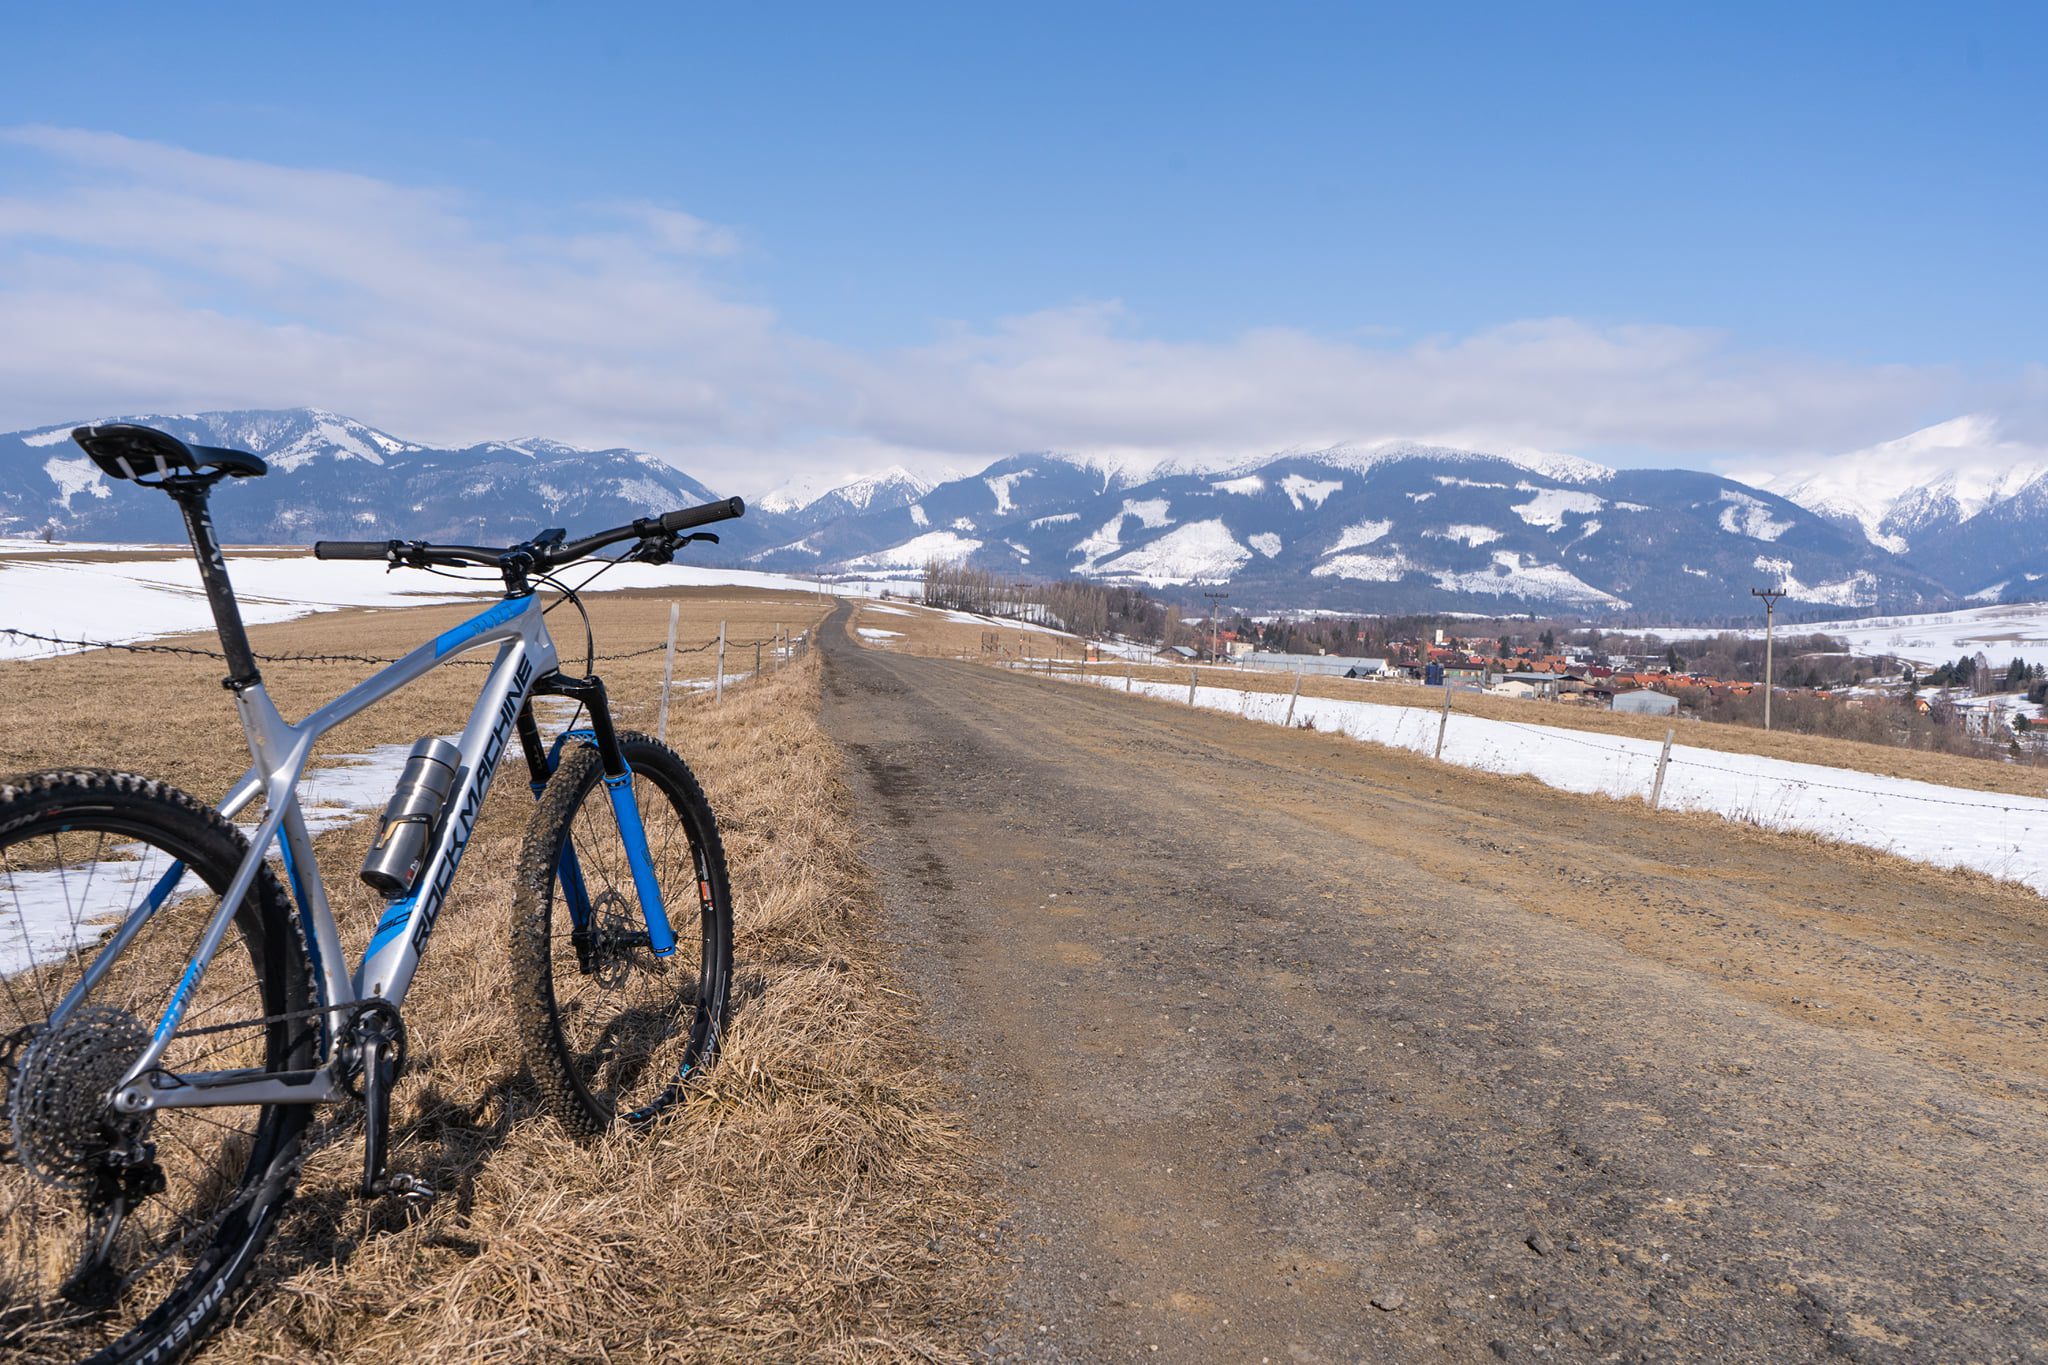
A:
(719, 694)
(757, 658)
(1292, 697)
(668, 672)
(1443, 722)
(1663, 762)
(1127, 675)
(1191, 687)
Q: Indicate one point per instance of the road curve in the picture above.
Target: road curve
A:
(1294, 1049)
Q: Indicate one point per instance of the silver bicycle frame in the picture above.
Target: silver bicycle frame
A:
(280, 751)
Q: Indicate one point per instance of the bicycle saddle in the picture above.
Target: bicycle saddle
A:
(124, 450)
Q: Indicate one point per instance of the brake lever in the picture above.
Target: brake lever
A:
(662, 549)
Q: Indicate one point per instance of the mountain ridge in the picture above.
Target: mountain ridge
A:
(1387, 526)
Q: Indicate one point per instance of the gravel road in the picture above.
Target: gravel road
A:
(1292, 1049)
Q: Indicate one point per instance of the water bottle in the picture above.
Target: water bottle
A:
(394, 860)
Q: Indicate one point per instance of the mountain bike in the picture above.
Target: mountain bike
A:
(175, 1010)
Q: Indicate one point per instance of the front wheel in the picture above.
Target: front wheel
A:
(612, 1031)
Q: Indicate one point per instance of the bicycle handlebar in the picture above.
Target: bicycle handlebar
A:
(417, 553)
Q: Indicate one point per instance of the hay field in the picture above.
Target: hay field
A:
(815, 1199)
(1954, 770)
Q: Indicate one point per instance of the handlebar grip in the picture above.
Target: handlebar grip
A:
(379, 550)
(723, 510)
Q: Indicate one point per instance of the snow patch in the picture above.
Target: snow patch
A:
(918, 516)
(1549, 507)
(1200, 549)
(1511, 577)
(1152, 513)
(1057, 518)
(1000, 485)
(1265, 542)
(1387, 568)
(1359, 533)
(1859, 589)
(918, 552)
(1246, 486)
(1300, 490)
(1745, 516)
(76, 476)
(1474, 536)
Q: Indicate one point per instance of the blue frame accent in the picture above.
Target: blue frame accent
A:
(454, 639)
(175, 1011)
(660, 937)
(391, 925)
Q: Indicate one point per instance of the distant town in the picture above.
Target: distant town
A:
(1970, 705)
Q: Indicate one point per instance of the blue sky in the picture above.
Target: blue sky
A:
(936, 233)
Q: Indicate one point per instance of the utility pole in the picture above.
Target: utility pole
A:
(1214, 598)
(1770, 596)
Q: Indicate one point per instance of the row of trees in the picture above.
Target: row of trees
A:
(1088, 609)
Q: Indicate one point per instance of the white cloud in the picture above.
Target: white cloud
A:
(137, 276)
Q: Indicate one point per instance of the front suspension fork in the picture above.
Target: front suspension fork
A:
(541, 762)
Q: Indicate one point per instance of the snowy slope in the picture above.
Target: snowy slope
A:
(1899, 492)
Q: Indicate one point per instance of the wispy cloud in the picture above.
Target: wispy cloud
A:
(135, 275)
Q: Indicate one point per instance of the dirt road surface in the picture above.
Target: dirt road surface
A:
(1292, 1049)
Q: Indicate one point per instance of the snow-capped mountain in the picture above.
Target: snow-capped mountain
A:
(1958, 500)
(880, 492)
(333, 477)
(1390, 527)
(1900, 493)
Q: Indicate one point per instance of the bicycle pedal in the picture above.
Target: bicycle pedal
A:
(407, 1187)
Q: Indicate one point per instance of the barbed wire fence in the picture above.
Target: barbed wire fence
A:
(783, 647)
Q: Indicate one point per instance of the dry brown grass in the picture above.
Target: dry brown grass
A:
(814, 1199)
(1976, 774)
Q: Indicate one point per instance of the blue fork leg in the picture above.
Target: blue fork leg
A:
(660, 937)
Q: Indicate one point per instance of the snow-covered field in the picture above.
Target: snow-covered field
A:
(2002, 633)
(142, 599)
(2006, 836)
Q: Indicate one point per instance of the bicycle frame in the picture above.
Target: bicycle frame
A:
(526, 662)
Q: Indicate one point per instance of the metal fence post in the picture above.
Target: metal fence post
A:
(1663, 762)
(719, 694)
(1443, 722)
(1292, 697)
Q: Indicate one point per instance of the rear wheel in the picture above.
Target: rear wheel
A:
(124, 1237)
(613, 1032)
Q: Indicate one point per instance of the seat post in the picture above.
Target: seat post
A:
(190, 493)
